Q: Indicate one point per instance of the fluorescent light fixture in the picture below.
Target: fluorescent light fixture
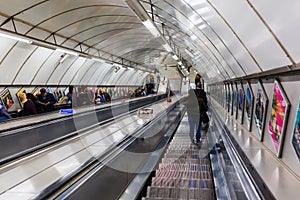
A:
(167, 47)
(150, 26)
(117, 65)
(175, 57)
(67, 51)
(179, 63)
(64, 58)
(98, 60)
(202, 11)
(203, 26)
(193, 37)
(15, 38)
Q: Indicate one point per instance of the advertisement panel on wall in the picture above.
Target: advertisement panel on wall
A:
(249, 106)
(235, 100)
(296, 134)
(261, 104)
(22, 90)
(241, 103)
(7, 99)
(279, 116)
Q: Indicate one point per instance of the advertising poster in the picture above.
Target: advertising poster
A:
(261, 103)
(235, 100)
(7, 99)
(230, 98)
(296, 134)
(35, 91)
(241, 103)
(226, 96)
(22, 90)
(279, 115)
(249, 106)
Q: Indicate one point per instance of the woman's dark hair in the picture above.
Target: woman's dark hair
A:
(71, 89)
(43, 90)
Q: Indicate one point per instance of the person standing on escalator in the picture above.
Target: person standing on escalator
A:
(203, 115)
(194, 106)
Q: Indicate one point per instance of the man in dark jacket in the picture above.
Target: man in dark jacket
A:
(48, 99)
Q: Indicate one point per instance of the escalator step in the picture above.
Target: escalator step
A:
(183, 174)
(182, 183)
(179, 193)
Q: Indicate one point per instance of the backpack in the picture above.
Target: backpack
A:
(202, 105)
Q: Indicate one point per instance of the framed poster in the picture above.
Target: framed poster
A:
(279, 116)
(229, 102)
(7, 99)
(226, 96)
(261, 104)
(36, 91)
(22, 90)
(241, 103)
(296, 134)
(235, 100)
(249, 100)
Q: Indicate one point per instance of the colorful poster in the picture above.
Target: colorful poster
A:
(241, 103)
(235, 100)
(7, 99)
(261, 104)
(249, 106)
(35, 91)
(296, 134)
(277, 123)
(230, 98)
(226, 97)
(22, 90)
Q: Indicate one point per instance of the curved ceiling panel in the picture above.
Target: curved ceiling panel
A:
(222, 40)
(32, 65)
(283, 19)
(259, 40)
(14, 61)
(82, 72)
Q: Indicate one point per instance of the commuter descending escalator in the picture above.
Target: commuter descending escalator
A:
(185, 171)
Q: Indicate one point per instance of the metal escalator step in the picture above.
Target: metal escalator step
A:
(179, 193)
(182, 183)
(181, 166)
(182, 174)
(177, 160)
(191, 167)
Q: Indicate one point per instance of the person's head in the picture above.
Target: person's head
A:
(22, 97)
(43, 92)
(101, 91)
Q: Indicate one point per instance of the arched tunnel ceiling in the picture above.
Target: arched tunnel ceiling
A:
(221, 39)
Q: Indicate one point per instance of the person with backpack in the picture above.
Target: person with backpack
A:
(194, 106)
(203, 115)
